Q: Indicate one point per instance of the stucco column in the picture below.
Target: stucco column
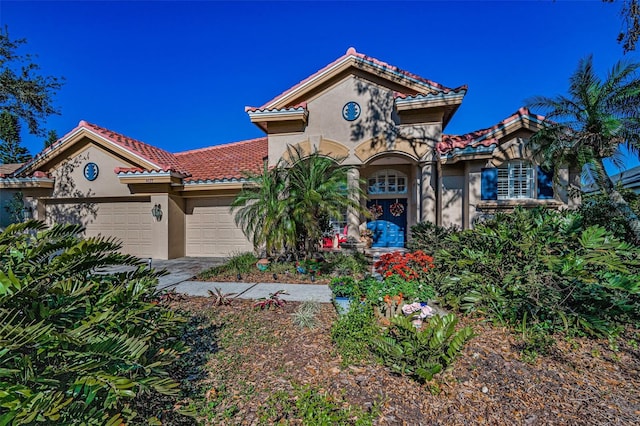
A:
(428, 202)
(353, 217)
(160, 228)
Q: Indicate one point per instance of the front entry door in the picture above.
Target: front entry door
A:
(389, 229)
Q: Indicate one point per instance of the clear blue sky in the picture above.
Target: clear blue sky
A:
(179, 74)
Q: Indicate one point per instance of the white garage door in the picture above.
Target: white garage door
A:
(129, 222)
(211, 230)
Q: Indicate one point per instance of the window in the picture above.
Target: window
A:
(516, 180)
(387, 182)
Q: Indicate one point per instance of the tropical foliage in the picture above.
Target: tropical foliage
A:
(592, 123)
(542, 268)
(287, 208)
(79, 346)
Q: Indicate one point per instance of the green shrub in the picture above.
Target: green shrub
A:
(421, 353)
(429, 238)
(345, 287)
(239, 263)
(352, 333)
(411, 290)
(347, 263)
(541, 266)
(77, 344)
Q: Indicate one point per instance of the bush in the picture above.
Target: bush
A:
(345, 287)
(239, 263)
(78, 344)
(352, 333)
(410, 266)
(429, 238)
(421, 353)
(411, 290)
(542, 267)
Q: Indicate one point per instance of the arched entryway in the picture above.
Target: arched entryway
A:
(387, 201)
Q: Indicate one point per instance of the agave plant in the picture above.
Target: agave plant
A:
(77, 343)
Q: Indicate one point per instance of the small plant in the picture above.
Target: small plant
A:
(423, 353)
(352, 333)
(345, 287)
(305, 315)
(272, 302)
(220, 298)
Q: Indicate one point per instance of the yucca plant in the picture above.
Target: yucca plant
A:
(77, 344)
(421, 353)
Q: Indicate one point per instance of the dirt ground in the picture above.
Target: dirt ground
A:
(260, 352)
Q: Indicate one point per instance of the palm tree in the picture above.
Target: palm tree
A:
(317, 192)
(592, 123)
(262, 212)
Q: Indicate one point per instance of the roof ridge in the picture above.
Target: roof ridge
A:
(224, 145)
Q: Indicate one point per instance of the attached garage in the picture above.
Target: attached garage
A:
(211, 230)
(129, 221)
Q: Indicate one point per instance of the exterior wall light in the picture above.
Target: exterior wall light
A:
(27, 213)
(156, 212)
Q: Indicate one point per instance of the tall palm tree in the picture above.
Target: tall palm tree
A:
(262, 212)
(317, 191)
(592, 123)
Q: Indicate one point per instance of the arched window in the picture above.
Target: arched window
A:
(387, 182)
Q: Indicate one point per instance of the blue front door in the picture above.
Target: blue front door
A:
(389, 229)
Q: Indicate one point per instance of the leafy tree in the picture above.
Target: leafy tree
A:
(630, 13)
(317, 191)
(288, 204)
(52, 137)
(262, 213)
(10, 150)
(24, 92)
(591, 124)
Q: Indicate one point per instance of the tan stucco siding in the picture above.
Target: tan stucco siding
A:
(453, 181)
(130, 222)
(376, 125)
(211, 230)
(71, 182)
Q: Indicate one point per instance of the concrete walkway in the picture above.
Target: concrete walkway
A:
(294, 292)
(182, 271)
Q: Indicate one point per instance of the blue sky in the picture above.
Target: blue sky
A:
(179, 74)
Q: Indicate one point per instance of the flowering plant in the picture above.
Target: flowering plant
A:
(366, 233)
(408, 265)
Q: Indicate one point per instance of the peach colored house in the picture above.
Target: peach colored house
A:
(385, 123)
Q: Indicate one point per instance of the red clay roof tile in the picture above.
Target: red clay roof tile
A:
(480, 137)
(163, 159)
(228, 161)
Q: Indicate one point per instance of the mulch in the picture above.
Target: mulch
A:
(581, 382)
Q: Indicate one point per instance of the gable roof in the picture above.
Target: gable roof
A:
(485, 137)
(351, 58)
(224, 162)
(148, 155)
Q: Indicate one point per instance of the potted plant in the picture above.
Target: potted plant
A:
(263, 264)
(344, 289)
(366, 236)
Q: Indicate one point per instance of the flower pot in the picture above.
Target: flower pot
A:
(342, 304)
(262, 265)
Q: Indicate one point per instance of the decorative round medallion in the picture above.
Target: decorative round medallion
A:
(351, 111)
(91, 171)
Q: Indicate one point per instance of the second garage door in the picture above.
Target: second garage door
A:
(128, 221)
(211, 230)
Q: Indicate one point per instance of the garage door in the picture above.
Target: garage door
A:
(130, 222)
(211, 230)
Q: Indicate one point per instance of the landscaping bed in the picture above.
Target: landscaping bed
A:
(262, 369)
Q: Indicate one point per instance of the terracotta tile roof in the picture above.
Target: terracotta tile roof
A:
(161, 158)
(8, 169)
(482, 137)
(436, 87)
(222, 162)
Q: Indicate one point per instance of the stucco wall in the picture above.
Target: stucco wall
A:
(376, 124)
